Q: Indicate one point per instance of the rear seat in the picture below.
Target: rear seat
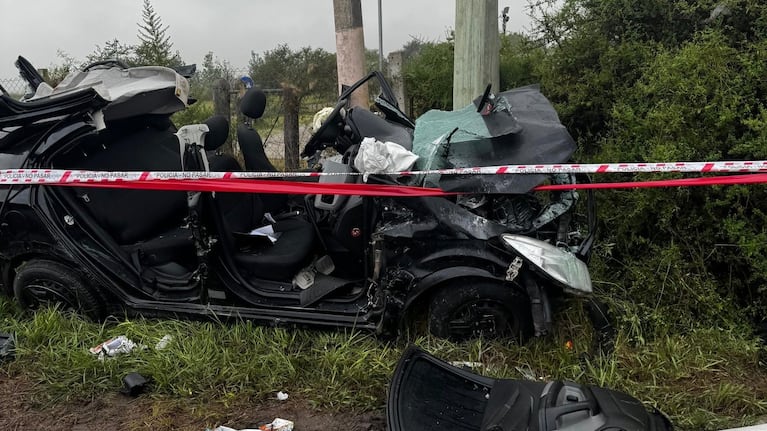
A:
(147, 224)
(132, 216)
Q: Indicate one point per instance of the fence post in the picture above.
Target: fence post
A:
(291, 106)
(221, 106)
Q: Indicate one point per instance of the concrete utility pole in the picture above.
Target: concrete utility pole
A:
(380, 38)
(396, 80)
(350, 47)
(476, 50)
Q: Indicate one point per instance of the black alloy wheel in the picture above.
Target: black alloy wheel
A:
(478, 308)
(41, 283)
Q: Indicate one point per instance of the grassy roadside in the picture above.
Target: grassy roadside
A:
(704, 379)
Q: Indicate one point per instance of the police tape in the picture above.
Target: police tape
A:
(58, 176)
(262, 182)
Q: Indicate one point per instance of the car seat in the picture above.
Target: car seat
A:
(237, 214)
(155, 239)
(252, 105)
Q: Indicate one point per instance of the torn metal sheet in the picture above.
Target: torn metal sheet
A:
(561, 203)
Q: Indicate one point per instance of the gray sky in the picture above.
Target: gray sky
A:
(36, 29)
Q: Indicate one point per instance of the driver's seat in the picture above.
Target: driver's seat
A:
(252, 105)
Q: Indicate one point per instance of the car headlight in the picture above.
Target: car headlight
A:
(560, 265)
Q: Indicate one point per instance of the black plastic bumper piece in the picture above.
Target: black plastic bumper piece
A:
(427, 394)
(7, 347)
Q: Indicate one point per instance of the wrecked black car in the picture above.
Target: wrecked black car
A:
(428, 394)
(488, 260)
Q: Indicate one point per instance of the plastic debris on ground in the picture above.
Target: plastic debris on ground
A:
(527, 372)
(277, 424)
(7, 347)
(114, 346)
(163, 343)
(282, 396)
(134, 384)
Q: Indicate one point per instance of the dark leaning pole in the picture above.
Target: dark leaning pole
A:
(477, 49)
(350, 47)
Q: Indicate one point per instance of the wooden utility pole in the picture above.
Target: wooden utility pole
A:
(476, 50)
(350, 47)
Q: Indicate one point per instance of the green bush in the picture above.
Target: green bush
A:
(429, 77)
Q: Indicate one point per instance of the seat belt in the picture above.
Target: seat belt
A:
(191, 140)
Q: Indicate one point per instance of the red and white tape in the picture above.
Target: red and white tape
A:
(51, 176)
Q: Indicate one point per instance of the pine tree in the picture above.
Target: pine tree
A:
(155, 47)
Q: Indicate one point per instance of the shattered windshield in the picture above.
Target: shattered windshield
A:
(521, 128)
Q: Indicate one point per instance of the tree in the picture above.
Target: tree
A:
(155, 47)
(212, 70)
(310, 71)
(57, 73)
(113, 49)
(519, 58)
(299, 74)
(428, 77)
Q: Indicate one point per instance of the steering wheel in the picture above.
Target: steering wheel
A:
(317, 141)
(110, 63)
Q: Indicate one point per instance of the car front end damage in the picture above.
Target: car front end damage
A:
(431, 242)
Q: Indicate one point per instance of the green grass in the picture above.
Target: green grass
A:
(704, 378)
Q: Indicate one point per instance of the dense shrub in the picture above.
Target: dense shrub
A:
(429, 77)
(664, 81)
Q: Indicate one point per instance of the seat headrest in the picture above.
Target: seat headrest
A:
(218, 131)
(253, 103)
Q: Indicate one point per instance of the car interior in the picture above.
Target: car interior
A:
(152, 228)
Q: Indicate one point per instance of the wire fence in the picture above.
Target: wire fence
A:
(271, 125)
(16, 87)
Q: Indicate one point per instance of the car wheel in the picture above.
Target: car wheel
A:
(474, 309)
(40, 283)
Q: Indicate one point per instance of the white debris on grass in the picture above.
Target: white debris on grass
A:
(163, 343)
(277, 424)
(115, 346)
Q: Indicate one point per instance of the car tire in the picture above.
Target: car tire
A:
(41, 283)
(474, 308)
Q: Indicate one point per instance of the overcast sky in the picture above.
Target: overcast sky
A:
(36, 29)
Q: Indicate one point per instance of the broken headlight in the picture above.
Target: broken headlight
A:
(560, 265)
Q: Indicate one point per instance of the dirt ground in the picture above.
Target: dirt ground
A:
(19, 411)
